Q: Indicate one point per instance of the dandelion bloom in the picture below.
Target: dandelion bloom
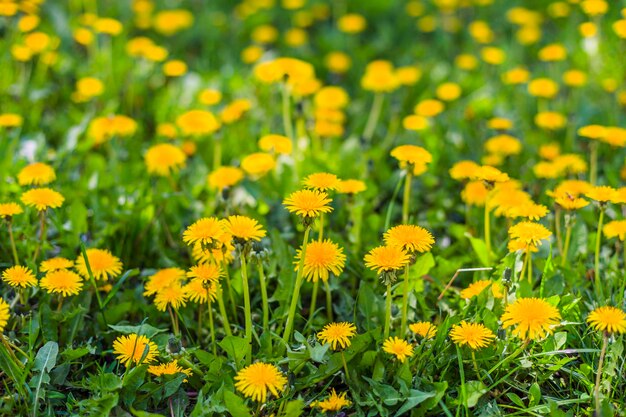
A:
(224, 177)
(475, 335)
(475, 288)
(308, 203)
(10, 210)
(321, 259)
(386, 259)
(197, 123)
(256, 380)
(337, 334)
(409, 237)
(528, 210)
(173, 295)
(351, 186)
(276, 143)
(164, 159)
(380, 77)
(608, 319)
(504, 145)
(475, 193)
(36, 173)
(243, 228)
(601, 193)
(334, 402)
(4, 314)
(615, 228)
(201, 291)
(170, 368)
(489, 174)
(530, 233)
(42, 198)
(63, 282)
(163, 278)
(425, 329)
(130, 349)
(258, 164)
(322, 181)
(103, 264)
(533, 318)
(412, 156)
(400, 348)
(206, 231)
(19, 276)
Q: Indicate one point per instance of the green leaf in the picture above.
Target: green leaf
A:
(236, 405)
(423, 265)
(415, 397)
(515, 399)
(172, 385)
(138, 413)
(13, 369)
(44, 362)
(70, 354)
(118, 285)
(143, 329)
(294, 408)
(475, 390)
(235, 347)
(480, 248)
(534, 395)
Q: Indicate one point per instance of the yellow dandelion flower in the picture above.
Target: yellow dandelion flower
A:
(258, 164)
(36, 173)
(200, 291)
(570, 203)
(174, 296)
(19, 276)
(63, 282)
(164, 159)
(475, 335)
(475, 193)
(170, 368)
(615, 228)
(205, 272)
(425, 329)
(463, 170)
(412, 157)
(206, 231)
(276, 143)
(321, 259)
(351, 187)
(386, 259)
(529, 210)
(529, 233)
(224, 177)
(243, 228)
(10, 210)
(489, 175)
(163, 278)
(608, 319)
(334, 402)
(4, 314)
(308, 203)
(409, 237)
(337, 334)
(53, 264)
(475, 288)
(103, 264)
(322, 181)
(400, 348)
(533, 318)
(503, 145)
(42, 198)
(601, 193)
(131, 349)
(255, 380)
(197, 123)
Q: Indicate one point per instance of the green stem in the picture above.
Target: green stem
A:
(387, 313)
(345, 366)
(220, 304)
(247, 308)
(620, 296)
(329, 302)
(42, 234)
(16, 259)
(596, 389)
(406, 198)
(557, 227)
(488, 232)
(296, 291)
(530, 266)
(217, 153)
(266, 313)
(463, 399)
(211, 325)
(593, 165)
(524, 265)
(568, 238)
(320, 235)
(229, 288)
(200, 314)
(597, 254)
(316, 284)
(405, 301)
(476, 367)
(287, 112)
(174, 321)
(372, 119)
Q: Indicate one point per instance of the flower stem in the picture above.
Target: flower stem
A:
(247, 307)
(42, 234)
(211, 325)
(229, 288)
(287, 112)
(593, 164)
(488, 233)
(597, 254)
(217, 153)
(372, 119)
(406, 198)
(345, 366)
(387, 313)
(296, 291)
(557, 227)
(329, 301)
(620, 296)
(266, 314)
(530, 266)
(174, 321)
(16, 258)
(568, 238)
(596, 389)
(220, 304)
(476, 367)
(405, 301)
(463, 399)
(313, 300)
(320, 235)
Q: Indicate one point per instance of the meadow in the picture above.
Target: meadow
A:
(307, 207)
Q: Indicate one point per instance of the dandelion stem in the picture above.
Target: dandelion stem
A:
(217, 153)
(174, 320)
(405, 301)
(16, 259)
(372, 119)
(557, 229)
(406, 198)
(568, 238)
(220, 303)
(211, 325)
(463, 399)
(320, 235)
(593, 164)
(287, 112)
(247, 307)
(296, 291)
(345, 366)
(42, 234)
(329, 301)
(488, 233)
(596, 389)
(597, 254)
(229, 288)
(620, 296)
(524, 265)
(313, 300)
(266, 311)
(530, 265)
(387, 313)
(476, 366)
